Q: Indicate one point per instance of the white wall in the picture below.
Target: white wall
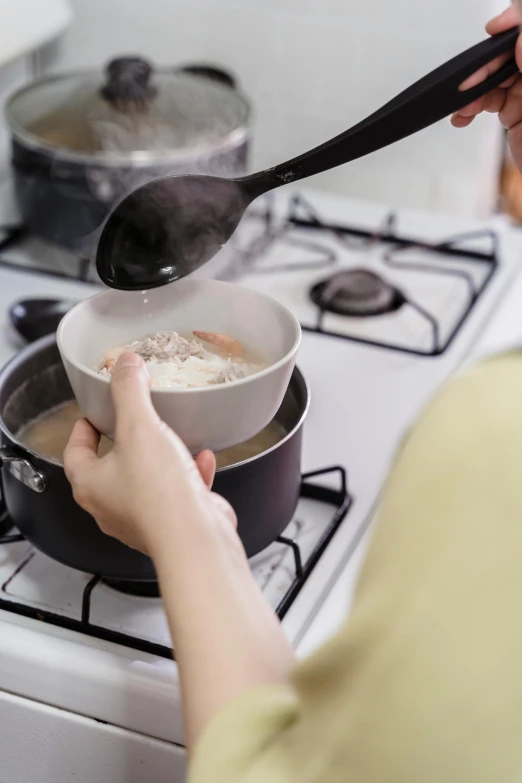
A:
(313, 68)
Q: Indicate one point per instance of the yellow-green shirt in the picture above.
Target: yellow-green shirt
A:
(424, 682)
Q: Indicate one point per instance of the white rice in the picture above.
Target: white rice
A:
(185, 370)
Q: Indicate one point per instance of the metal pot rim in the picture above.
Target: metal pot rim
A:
(304, 413)
(29, 350)
(48, 340)
(135, 159)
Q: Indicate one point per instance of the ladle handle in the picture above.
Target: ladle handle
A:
(429, 100)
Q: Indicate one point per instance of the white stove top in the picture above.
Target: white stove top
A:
(363, 400)
(433, 290)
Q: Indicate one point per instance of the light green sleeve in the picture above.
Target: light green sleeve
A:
(233, 746)
(424, 683)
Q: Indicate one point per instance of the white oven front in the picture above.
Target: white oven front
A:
(45, 744)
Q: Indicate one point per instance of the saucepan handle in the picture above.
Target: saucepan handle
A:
(21, 468)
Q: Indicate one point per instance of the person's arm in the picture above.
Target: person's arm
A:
(227, 639)
(148, 493)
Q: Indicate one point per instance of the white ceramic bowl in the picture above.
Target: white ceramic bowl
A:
(214, 417)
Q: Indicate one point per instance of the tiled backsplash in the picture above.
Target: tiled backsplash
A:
(313, 68)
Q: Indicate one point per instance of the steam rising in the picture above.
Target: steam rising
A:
(195, 115)
(185, 130)
(185, 113)
(170, 228)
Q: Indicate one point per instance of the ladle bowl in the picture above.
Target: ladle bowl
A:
(167, 229)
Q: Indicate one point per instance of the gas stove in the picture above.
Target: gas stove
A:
(420, 290)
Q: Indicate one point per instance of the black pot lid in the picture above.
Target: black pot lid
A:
(131, 113)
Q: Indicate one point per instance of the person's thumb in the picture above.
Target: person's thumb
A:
(130, 388)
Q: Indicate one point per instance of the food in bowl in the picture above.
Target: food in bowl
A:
(215, 416)
(173, 360)
(49, 433)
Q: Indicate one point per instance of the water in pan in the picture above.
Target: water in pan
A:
(48, 436)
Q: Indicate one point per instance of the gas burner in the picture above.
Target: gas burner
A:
(141, 589)
(357, 292)
(430, 287)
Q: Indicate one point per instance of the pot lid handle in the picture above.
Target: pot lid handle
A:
(210, 72)
(128, 82)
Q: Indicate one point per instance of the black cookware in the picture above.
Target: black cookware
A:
(263, 490)
(81, 141)
(35, 318)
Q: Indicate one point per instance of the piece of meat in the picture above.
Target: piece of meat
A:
(167, 345)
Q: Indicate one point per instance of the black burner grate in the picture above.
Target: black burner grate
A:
(302, 215)
(339, 499)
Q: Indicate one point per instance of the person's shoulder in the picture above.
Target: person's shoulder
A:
(481, 403)
(491, 386)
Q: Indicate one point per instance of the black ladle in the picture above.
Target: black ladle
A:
(171, 226)
(35, 318)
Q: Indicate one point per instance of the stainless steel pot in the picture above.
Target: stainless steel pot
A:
(263, 490)
(80, 143)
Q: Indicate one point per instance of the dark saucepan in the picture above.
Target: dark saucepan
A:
(263, 490)
(82, 141)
